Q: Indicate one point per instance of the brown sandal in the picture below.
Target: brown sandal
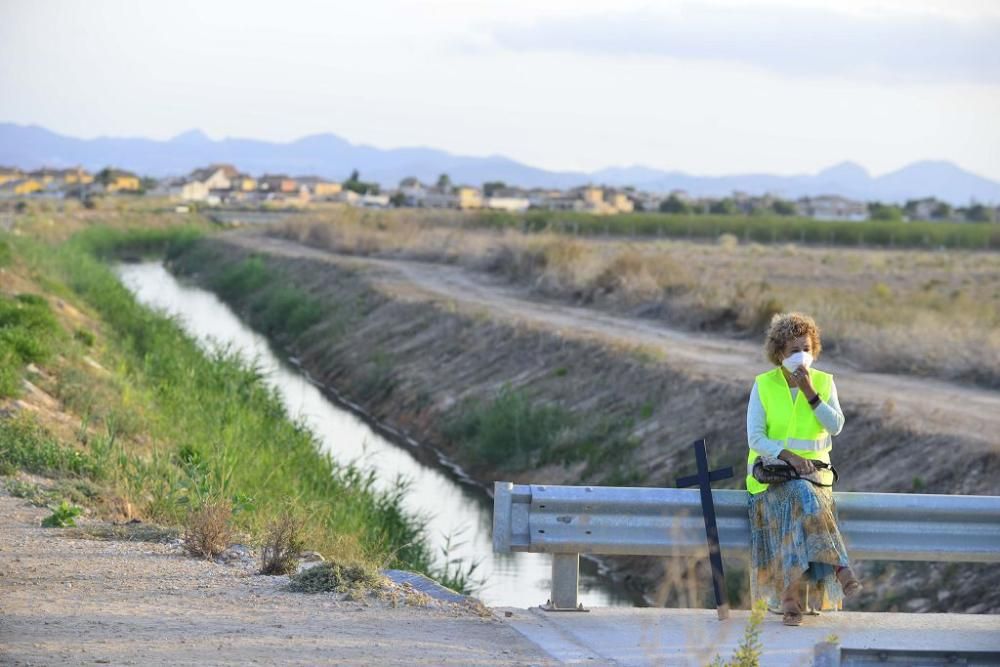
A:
(848, 582)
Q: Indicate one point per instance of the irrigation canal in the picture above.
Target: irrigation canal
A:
(452, 507)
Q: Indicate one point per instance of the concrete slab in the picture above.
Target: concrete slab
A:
(624, 636)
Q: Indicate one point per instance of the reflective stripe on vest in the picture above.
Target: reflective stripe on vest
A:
(791, 423)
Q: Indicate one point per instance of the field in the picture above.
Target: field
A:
(926, 312)
(753, 228)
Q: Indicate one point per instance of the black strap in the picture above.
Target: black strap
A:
(819, 464)
(794, 474)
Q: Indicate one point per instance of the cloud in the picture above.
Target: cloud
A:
(797, 41)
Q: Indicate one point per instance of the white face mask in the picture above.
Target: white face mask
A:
(797, 359)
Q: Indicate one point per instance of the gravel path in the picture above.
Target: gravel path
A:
(70, 601)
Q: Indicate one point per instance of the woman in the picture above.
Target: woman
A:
(794, 539)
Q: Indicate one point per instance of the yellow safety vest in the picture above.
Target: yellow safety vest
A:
(786, 419)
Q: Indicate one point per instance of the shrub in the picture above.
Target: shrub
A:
(728, 240)
(238, 279)
(30, 492)
(282, 545)
(275, 306)
(84, 336)
(284, 309)
(207, 531)
(510, 430)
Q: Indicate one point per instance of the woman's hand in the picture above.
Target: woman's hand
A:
(801, 465)
(800, 376)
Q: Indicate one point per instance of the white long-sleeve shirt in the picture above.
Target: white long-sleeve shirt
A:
(828, 413)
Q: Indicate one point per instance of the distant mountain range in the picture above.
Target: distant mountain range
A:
(327, 155)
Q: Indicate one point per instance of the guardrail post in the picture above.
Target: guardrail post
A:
(565, 583)
(502, 520)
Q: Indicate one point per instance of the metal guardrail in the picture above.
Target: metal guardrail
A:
(567, 521)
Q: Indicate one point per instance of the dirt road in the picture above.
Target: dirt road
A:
(72, 601)
(924, 405)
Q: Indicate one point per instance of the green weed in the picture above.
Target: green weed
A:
(378, 380)
(63, 516)
(454, 572)
(749, 650)
(29, 333)
(25, 445)
(137, 242)
(84, 336)
(6, 254)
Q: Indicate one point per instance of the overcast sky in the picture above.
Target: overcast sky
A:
(727, 86)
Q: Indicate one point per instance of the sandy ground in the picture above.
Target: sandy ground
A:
(926, 405)
(71, 601)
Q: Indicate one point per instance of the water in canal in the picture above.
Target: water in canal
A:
(451, 507)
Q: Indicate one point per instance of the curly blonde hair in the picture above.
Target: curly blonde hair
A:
(786, 327)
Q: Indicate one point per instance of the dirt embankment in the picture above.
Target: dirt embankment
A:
(73, 601)
(410, 342)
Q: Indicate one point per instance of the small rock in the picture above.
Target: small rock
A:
(508, 614)
(306, 565)
(917, 604)
(236, 554)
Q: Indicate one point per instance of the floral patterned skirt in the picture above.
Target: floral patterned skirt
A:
(793, 533)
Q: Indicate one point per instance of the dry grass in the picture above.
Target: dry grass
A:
(925, 312)
(358, 582)
(56, 220)
(125, 532)
(207, 531)
(367, 232)
(282, 545)
(331, 577)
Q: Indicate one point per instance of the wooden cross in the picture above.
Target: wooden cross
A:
(704, 480)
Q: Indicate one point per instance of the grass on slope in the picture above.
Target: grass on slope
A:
(190, 428)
